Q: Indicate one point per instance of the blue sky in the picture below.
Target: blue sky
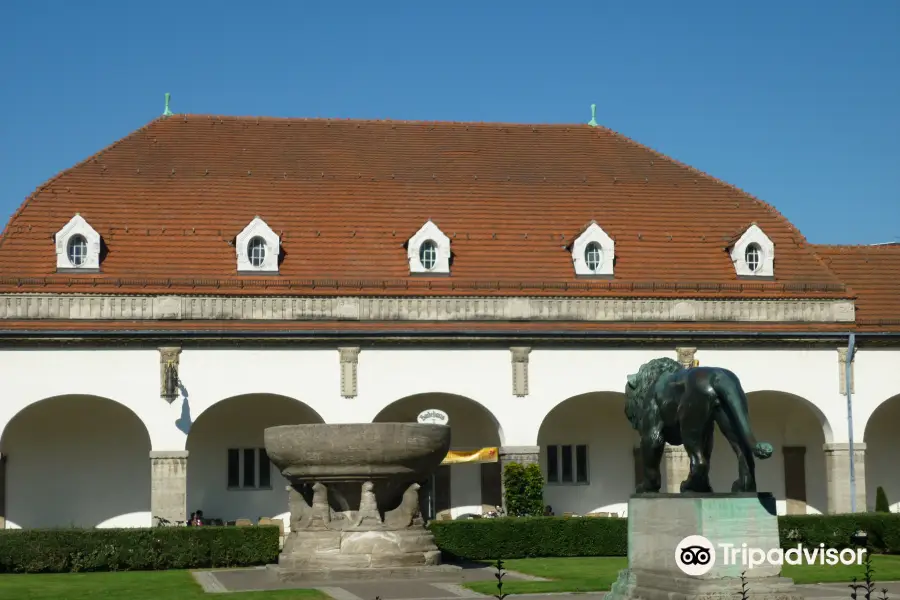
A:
(795, 102)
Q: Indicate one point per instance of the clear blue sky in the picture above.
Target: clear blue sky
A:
(795, 101)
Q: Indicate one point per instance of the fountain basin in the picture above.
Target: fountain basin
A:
(357, 451)
(354, 499)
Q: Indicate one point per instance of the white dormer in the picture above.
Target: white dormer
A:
(257, 248)
(428, 251)
(593, 252)
(753, 254)
(77, 246)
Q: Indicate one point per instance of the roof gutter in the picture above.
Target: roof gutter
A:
(418, 333)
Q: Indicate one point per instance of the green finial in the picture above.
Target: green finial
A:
(167, 112)
(593, 121)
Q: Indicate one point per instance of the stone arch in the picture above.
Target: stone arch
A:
(588, 429)
(458, 488)
(882, 447)
(229, 476)
(76, 460)
(798, 431)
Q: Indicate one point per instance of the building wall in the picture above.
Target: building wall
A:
(92, 439)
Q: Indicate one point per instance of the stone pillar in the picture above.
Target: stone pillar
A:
(168, 485)
(2, 491)
(676, 463)
(524, 455)
(837, 470)
(676, 468)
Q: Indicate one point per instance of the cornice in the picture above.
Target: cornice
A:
(101, 307)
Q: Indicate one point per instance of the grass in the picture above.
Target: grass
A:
(127, 585)
(592, 574)
(577, 574)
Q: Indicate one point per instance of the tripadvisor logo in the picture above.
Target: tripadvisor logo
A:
(695, 555)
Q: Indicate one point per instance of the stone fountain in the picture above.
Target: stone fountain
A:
(354, 499)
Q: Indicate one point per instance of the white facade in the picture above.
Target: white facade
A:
(77, 426)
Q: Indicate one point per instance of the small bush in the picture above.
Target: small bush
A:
(524, 487)
(486, 539)
(78, 550)
(881, 502)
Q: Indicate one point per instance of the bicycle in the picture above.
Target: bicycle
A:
(163, 522)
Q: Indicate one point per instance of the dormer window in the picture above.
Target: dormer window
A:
(753, 257)
(753, 254)
(77, 250)
(593, 252)
(257, 248)
(428, 251)
(593, 256)
(428, 254)
(78, 247)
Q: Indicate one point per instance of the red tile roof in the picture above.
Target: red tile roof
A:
(345, 196)
(873, 272)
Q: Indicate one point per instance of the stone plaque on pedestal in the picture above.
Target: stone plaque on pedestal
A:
(731, 524)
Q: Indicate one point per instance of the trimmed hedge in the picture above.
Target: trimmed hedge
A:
(79, 550)
(490, 539)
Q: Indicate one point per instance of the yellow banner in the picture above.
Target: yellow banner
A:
(483, 455)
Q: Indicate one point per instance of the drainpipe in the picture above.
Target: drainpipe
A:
(851, 349)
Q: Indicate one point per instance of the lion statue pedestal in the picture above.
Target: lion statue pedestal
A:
(658, 560)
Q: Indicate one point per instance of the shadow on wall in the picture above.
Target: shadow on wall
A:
(184, 422)
(78, 461)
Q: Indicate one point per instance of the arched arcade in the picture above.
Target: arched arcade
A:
(229, 475)
(458, 488)
(75, 461)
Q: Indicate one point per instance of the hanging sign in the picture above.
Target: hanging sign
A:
(482, 455)
(433, 416)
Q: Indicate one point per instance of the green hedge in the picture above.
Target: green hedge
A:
(490, 539)
(77, 550)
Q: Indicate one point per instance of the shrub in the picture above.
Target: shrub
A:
(75, 550)
(488, 539)
(524, 487)
(881, 502)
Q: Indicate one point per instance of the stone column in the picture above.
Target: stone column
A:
(168, 485)
(676, 463)
(837, 470)
(524, 455)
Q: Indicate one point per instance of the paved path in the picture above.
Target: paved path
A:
(261, 579)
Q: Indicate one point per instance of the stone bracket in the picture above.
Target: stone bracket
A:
(520, 370)
(686, 356)
(169, 360)
(349, 367)
(842, 372)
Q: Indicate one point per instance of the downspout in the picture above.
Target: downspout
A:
(851, 349)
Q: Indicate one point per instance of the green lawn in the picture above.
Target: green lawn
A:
(590, 574)
(129, 585)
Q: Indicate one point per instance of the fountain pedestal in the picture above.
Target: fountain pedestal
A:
(354, 499)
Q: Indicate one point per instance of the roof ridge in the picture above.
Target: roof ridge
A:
(377, 121)
(769, 207)
(64, 172)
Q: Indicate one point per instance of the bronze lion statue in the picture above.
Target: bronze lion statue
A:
(668, 403)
